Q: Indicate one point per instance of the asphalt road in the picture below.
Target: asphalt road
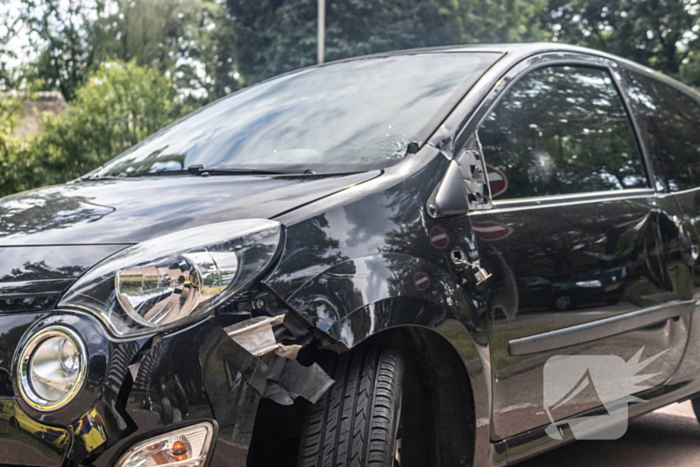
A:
(667, 437)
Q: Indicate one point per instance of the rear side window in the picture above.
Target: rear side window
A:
(674, 121)
(561, 130)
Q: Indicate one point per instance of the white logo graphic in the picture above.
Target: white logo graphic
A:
(606, 379)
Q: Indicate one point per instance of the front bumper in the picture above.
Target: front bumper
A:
(134, 389)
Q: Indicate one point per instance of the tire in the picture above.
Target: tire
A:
(356, 423)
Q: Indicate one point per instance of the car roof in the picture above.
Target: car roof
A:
(514, 52)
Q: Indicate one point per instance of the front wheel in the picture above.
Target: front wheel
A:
(357, 423)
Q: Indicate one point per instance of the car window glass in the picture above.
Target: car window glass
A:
(560, 130)
(345, 116)
(674, 120)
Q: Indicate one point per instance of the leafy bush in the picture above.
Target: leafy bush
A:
(119, 105)
(16, 160)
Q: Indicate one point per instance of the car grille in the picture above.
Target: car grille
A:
(32, 295)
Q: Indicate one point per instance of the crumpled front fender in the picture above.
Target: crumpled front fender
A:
(364, 296)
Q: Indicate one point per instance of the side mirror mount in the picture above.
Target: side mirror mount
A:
(465, 185)
(450, 196)
(471, 163)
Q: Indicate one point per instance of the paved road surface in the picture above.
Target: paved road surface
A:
(665, 438)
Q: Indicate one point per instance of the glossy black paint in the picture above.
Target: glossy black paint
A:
(583, 240)
(34, 278)
(362, 257)
(128, 211)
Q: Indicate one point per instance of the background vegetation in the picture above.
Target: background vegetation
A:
(129, 67)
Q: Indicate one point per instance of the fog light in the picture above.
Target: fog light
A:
(187, 447)
(52, 367)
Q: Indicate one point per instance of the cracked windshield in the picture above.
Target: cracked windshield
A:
(322, 119)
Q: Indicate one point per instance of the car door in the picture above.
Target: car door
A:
(586, 258)
(669, 115)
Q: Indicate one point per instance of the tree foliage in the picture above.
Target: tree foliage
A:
(662, 34)
(15, 157)
(63, 34)
(121, 104)
(186, 40)
(128, 67)
(274, 36)
(204, 46)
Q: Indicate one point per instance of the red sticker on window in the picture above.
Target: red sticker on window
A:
(490, 231)
(498, 182)
(421, 281)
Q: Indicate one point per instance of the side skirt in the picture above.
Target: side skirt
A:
(535, 442)
(600, 329)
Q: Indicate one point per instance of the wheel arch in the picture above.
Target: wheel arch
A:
(440, 328)
(450, 395)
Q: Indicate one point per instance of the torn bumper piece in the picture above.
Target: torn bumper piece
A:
(269, 366)
(257, 337)
(294, 380)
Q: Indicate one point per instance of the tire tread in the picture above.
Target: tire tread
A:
(353, 424)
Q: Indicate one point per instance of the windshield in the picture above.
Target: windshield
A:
(359, 114)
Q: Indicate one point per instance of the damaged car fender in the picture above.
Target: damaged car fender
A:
(364, 296)
(354, 280)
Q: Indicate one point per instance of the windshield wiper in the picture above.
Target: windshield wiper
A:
(200, 171)
(204, 171)
(197, 170)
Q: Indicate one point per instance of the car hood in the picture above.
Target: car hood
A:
(51, 236)
(128, 211)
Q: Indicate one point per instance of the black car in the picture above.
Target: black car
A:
(565, 292)
(340, 266)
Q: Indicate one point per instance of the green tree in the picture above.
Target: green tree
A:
(62, 33)
(9, 25)
(274, 36)
(120, 105)
(183, 39)
(217, 51)
(16, 160)
(187, 40)
(659, 33)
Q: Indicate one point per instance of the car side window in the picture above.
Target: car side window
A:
(674, 121)
(561, 130)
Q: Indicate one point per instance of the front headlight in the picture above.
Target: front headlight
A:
(52, 367)
(177, 277)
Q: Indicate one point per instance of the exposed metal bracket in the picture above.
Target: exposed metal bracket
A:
(459, 258)
(471, 164)
(255, 334)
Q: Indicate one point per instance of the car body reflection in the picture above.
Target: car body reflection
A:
(566, 292)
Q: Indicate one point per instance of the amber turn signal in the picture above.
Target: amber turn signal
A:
(179, 450)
